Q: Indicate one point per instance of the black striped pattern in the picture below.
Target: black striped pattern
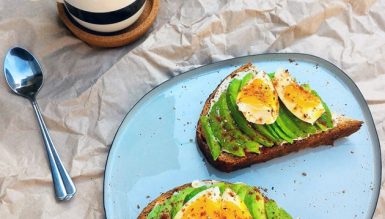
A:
(105, 17)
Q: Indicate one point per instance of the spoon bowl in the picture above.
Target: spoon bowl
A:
(22, 72)
(25, 77)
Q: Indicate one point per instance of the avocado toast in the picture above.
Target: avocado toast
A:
(253, 117)
(213, 199)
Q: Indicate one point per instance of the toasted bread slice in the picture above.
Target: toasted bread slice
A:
(227, 162)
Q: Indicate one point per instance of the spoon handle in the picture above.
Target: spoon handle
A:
(64, 187)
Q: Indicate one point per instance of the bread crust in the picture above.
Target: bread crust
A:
(228, 163)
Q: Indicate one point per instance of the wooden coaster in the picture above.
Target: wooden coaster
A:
(116, 39)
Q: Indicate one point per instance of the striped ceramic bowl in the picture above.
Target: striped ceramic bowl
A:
(105, 15)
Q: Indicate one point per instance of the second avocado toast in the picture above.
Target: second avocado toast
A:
(213, 199)
(252, 117)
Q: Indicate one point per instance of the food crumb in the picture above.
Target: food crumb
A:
(137, 206)
(147, 196)
(160, 118)
(343, 191)
(352, 152)
(291, 60)
(191, 141)
(304, 174)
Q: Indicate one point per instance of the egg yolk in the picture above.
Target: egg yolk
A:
(203, 207)
(231, 210)
(257, 93)
(297, 94)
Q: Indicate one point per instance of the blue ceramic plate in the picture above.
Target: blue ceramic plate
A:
(155, 149)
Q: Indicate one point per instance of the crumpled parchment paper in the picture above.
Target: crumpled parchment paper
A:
(88, 91)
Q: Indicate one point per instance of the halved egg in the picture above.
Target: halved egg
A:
(301, 102)
(258, 100)
(211, 204)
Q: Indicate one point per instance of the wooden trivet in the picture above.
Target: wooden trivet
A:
(120, 38)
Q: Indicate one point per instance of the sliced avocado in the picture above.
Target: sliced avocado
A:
(165, 209)
(233, 139)
(327, 116)
(284, 127)
(194, 192)
(154, 212)
(271, 131)
(255, 203)
(275, 212)
(236, 186)
(176, 201)
(224, 133)
(238, 117)
(241, 190)
(253, 147)
(304, 126)
(321, 125)
(223, 130)
(246, 79)
(266, 132)
(280, 133)
(215, 122)
(228, 138)
(290, 123)
(328, 121)
(214, 146)
(284, 215)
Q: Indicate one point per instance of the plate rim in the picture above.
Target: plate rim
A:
(231, 60)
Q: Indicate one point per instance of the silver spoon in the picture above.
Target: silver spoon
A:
(25, 77)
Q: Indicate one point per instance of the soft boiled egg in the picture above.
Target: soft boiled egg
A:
(258, 100)
(302, 103)
(211, 204)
